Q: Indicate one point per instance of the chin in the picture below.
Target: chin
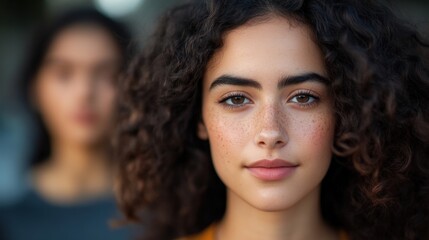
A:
(273, 207)
(87, 138)
(272, 202)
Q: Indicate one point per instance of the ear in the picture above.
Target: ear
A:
(202, 131)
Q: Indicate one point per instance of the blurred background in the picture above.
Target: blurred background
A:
(19, 22)
(19, 19)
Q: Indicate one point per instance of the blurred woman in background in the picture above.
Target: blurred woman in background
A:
(69, 85)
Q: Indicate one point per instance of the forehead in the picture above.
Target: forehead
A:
(269, 48)
(83, 44)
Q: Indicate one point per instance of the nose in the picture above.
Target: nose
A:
(87, 90)
(271, 133)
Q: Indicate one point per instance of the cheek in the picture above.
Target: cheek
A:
(320, 132)
(313, 137)
(53, 102)
(106, 97)
(227, 135)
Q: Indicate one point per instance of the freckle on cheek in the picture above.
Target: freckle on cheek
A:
(321, 133)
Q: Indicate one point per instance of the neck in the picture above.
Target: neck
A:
(78, 159)
(73, 173)
(301, 221)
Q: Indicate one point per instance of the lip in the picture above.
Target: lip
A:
(271, 170)
(85, 118)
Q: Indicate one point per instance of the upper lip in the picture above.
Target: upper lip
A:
(85, 115)
(276, 163)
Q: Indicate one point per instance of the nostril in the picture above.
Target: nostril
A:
(271, 139)
(277, 143)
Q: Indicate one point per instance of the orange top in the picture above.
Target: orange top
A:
(208, 234)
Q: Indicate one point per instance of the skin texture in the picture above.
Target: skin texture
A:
(75, 95)
(247, 123)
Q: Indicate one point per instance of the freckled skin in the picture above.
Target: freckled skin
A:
(271, 125)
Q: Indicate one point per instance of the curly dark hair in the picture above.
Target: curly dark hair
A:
(377, 186)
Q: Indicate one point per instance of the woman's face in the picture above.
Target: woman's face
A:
(268, 115)
(74, 89)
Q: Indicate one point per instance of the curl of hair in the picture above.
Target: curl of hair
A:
(377, 186)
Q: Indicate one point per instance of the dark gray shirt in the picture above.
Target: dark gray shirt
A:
(33, 218)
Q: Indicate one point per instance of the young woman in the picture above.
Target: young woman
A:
(69, 84)
(278, 119)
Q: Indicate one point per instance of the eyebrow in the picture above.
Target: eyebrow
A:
(236, 81)
(104, 64)
(284, 82)
(292, 80)
(55, 61)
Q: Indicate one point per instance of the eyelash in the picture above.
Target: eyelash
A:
(300, 93)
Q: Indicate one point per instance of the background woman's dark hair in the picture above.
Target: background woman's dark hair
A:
(38, 49)
(377, 186)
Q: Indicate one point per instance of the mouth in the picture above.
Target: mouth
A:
(271, 170)
(85, 118)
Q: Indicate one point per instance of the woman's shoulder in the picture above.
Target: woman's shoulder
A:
(206, 234)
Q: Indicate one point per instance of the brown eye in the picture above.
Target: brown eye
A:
(63, 74)
(302, 98)
(236, 100)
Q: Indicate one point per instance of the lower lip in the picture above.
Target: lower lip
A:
(271, 174)
(85, 119)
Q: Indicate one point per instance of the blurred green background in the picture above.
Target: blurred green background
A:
(20, 18)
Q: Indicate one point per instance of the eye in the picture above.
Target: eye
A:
(105, 74)
(304, 98)
(63, 74)
(235, 101)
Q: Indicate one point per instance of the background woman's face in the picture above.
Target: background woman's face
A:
(266, 97)
(74, 89)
